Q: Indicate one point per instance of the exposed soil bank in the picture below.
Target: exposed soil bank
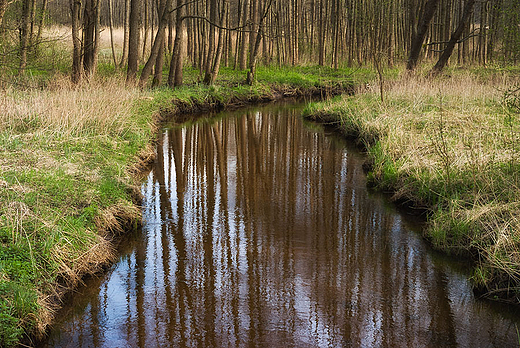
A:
(114, 221)
(452, 154)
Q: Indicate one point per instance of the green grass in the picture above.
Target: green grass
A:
(451, 145)
(66, 179)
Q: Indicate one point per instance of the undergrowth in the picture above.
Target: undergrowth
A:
(67, 173)
(451, 145)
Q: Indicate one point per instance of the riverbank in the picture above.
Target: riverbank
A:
(71, 158)
(450, 145)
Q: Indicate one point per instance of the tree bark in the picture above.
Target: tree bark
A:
(175, 73)
(251, 74)
(24, 29)
(43, 10)
(3, 8)
(158, 43)
(218, 55)
(455, 37)
(91, 36)
(111, 27)
(133, 41)
(126, 28)
(77, 67)
(429, 11)
(211, 47)
(242, 60)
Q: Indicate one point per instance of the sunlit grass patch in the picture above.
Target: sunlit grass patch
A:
(63, 158)
(450, 144)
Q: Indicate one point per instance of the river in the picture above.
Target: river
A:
(260, 232)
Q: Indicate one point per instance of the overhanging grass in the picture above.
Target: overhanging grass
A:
(65, 154)
(452, 145)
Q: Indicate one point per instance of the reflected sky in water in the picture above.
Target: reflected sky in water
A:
(259, 232)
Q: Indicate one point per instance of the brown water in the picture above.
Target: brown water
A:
(260, 232)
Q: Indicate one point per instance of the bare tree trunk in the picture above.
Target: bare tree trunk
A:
(218, 55)
(429, 11)
(43, 10)
(32, 20)
(242, 60)
(126, 29)
(77, 67)
(133, 41)
(251, 74)
(455, 37)
(91, 36)
(146, 29)
(158, 43)
(211, 46)
(175, 73)
(24, 29)
(111, 25)
(159, 64)
(3, 8)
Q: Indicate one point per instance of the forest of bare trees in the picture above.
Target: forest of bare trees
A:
(244, 33)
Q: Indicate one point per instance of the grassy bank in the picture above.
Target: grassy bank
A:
(452, 146)
(69, 159)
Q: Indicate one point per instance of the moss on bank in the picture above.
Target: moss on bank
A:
(69, 163)
(450, 145)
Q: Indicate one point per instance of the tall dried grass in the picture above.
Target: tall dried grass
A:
(99, 107)
(452, 145)
(64, 154)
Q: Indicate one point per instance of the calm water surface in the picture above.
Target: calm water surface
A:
(259, 232)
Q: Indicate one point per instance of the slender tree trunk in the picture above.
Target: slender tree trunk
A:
(43, 10)
(3, 8)
(429, 11)
(133, 41)
(158, 43)
(91, 36)
(211, 46)
(126, 28)
(251, 74)
(218, 55)
(77, 67)
(242, 56)
(159, 64)
(25, 27)
(146, 29)
(176, 64)
(455, 37)
(111, 25)
(32, 19)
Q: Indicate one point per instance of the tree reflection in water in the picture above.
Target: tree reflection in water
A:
(260, 232)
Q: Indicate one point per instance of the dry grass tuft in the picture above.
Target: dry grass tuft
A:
(115, 219)
(451, 144)
(99, 107)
